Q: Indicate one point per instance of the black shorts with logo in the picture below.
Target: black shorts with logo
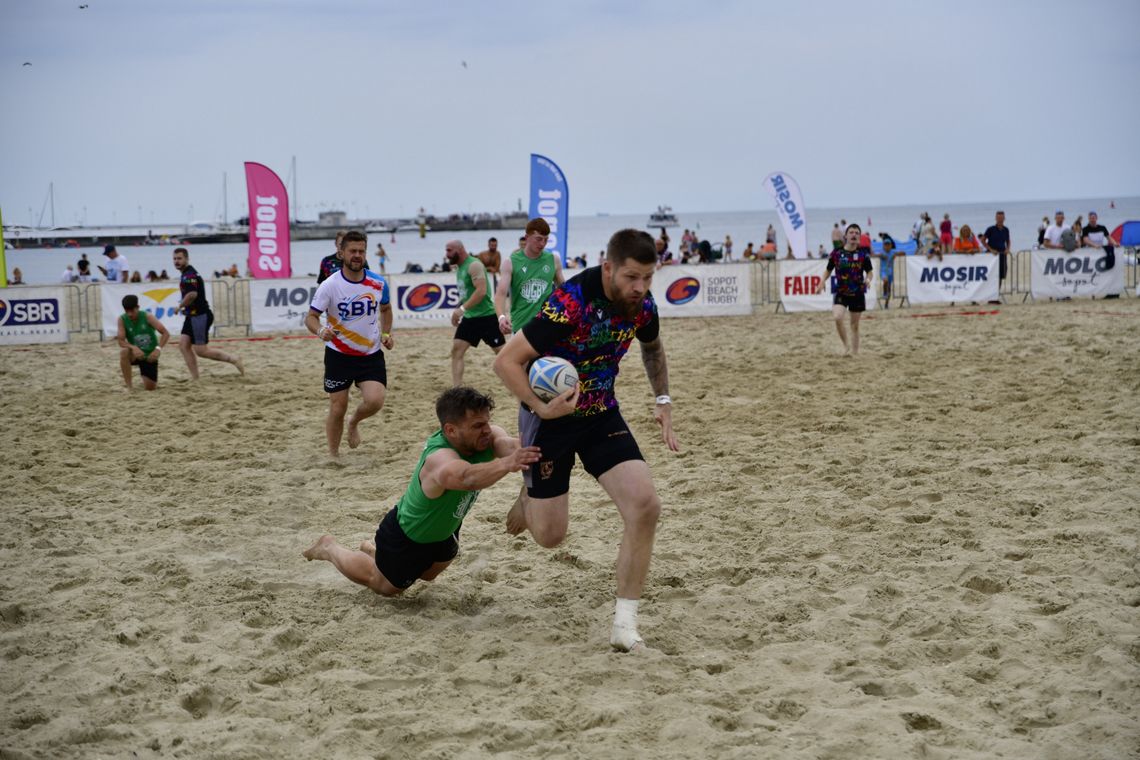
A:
(400, 559)
(854, 303)
(149, 370)
(197, 326)
(474, 329)
(600, 441)
(342, 370)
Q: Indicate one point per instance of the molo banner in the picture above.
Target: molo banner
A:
(790, 206)
(1081, 274)
(550, 199)
(268, 222)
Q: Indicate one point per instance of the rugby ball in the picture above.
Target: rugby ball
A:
(552, 376)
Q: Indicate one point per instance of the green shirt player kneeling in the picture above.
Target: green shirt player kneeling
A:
(141, 338)
(419, 537)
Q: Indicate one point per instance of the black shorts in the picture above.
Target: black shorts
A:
(198, 328)
(149, 370)
(342, 370)
(401, 560)
(474, 329)
(855, 303)
(600, 441)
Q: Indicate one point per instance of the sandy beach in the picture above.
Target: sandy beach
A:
(926, 552)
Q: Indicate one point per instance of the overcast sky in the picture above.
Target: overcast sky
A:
(136, 108)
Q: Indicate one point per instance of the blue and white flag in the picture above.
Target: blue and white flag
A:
(550, 199)
(790, 207)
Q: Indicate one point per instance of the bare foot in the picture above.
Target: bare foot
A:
(516, 518)
(353, 435)
(240, 365)
(369, 548)
(319, 550)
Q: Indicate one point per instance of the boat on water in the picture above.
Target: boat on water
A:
(662, 217)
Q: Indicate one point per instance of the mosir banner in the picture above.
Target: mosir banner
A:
(798, 281)
(1081, 274)
(958, 277)
(790, 208)
(33, 315)
(160, 299)
(704, 291)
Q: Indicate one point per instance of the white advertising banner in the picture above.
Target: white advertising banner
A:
(798, 280)
(33, 315)
(1080, 274)
(280, 305)
(790, 208)
(715, 290)
(159, 298)
(958, 277)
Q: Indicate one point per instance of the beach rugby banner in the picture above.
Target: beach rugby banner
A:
(268, 223)
(797, 281)
(958, 277)
(33, 315)
(790, 208)
(1081, 274)
(159, 298)
(550, 199)
(718, 290)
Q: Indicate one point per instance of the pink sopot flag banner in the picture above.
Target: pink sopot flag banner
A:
(268, 223)
(790, 208)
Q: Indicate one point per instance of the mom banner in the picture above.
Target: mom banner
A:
(550, 199)
(160, 299)
(1081, 274)
(33, 315)
(704, 291)
(790, 207)
(268, 223)
(958, 277)
(798, 280)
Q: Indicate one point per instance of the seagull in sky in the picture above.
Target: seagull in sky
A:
(464, 64)
(83, 7)
(27, 63)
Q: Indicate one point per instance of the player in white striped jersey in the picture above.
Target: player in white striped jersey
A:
(358, 315)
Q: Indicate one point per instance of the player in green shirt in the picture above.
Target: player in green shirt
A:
(474, 317)
(141, 338)
(419, 537)
(527, 278)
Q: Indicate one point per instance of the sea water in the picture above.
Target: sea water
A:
(588, 235)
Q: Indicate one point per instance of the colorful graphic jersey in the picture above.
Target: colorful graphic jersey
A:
(427, 520)
(330, 265)
(849, 267)
(579, 324)
(353, 311)
(484, 308)
(532, 282)
(192, 281)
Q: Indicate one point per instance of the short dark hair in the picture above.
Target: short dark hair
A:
(454, 403)
(352, 236)
(539, 225)
(130, 301)
(493, 240)
(631, 244)
(851, 227)
(183, 251)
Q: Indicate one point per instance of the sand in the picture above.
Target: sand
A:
(926, 552)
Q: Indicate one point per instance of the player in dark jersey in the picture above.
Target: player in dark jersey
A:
(199, 318)
(591, 321)
(853, 268)
(334, 262)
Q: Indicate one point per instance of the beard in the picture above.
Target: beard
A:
(354, 266)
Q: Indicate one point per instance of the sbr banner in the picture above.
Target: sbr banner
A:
(33, 315)
(268, 223)
(550, 199)
(1081, 274)
(704, 291)
(160, 299)
(790, 207)
(798, 280)
(958, 277)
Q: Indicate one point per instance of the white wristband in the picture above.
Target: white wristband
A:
(664, 399)
(461, 309)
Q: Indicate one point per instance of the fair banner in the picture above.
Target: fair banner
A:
(1080, 274)
(702, 291)
(790, 208)
(958, 277)
(268, 223)
(798, 280)
(160, 299)
(33, 315)
(550, 199)
(418, 300)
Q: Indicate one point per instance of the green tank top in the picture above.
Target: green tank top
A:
(532, 282)
(485, 307)
(427, 520)
(140, 333)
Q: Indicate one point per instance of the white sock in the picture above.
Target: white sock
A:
(624, 634)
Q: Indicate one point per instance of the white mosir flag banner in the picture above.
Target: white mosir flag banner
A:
(1080, 274)
(790, 207)
(958, 277)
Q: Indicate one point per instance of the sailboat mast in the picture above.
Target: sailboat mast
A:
(225, 201)
(293, 205)
(51, 192)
